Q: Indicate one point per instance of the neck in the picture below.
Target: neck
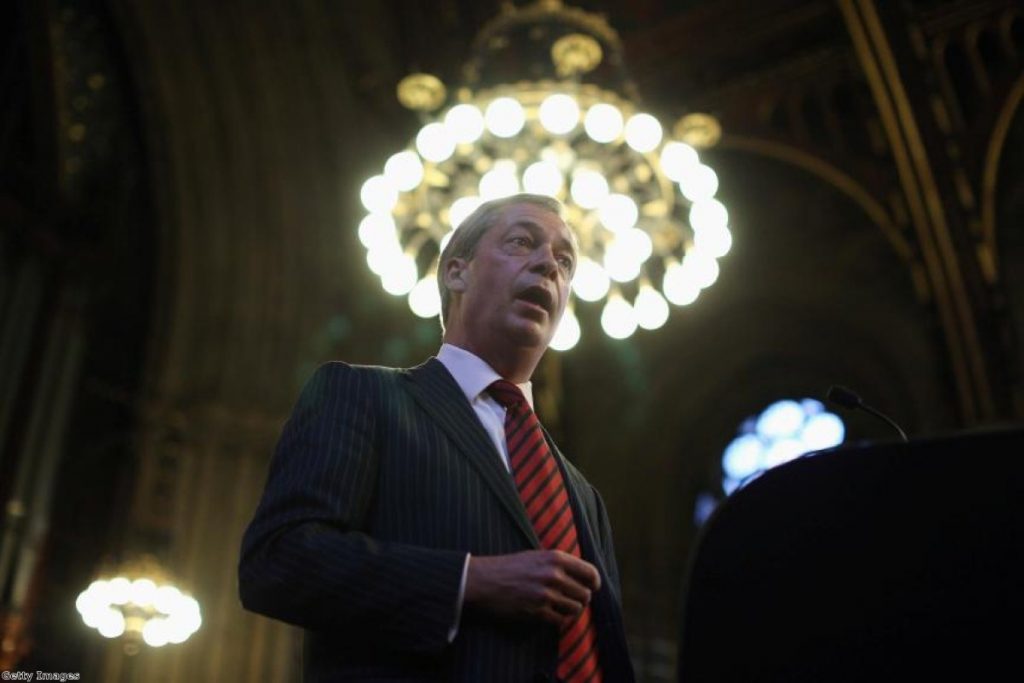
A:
(516, 364)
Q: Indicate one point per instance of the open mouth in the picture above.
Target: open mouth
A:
(537, 297)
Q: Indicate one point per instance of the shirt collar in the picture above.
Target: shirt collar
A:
(473, 374)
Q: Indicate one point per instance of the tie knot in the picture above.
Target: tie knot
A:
(506, 393)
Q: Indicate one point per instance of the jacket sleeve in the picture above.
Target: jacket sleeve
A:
(306, 558)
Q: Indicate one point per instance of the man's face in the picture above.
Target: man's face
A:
(516, 285)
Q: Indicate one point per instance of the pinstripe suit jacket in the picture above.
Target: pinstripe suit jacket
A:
(382, 481)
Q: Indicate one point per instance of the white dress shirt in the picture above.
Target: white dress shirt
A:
(474, 375)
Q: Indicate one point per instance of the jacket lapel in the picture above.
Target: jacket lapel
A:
(436, 391)
(614, 651)
(581, 515)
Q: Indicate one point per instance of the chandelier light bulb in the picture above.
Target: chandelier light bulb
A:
(92, 597)
(404, 170)
(559, 113)
(142, 591)
(643, 132)
(89, 615)
(381, 258)
(435, 143)
(376, 230)
(118, 591)
(110, 623)
(637, 244)
(155, 632)
(588, 189)
(500, 181)
(590, 282)
(676, 158)
(183, 621)
(400, 276)
(651, 308)
(88, 601)
(715, 242)
(679, 285)
(460, 210)
(166, 599)
(178, 630)
(618, 318)
(505, 117)
(620, 263)
(603, 123)
(181, 628)
(465, 123)
(618, 212)
(543, 177)
(699, 182)
(568, 333)
(424, 299)
(702, 267)
(708, 213)
(378, 195)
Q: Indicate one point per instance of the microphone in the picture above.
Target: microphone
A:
(841, 396)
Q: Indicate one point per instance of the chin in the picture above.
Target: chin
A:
(530, 335)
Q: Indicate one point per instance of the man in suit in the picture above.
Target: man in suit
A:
(419, 524)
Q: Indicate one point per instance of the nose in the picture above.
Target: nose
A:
(544, 261)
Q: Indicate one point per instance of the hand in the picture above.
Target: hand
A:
(547, 584)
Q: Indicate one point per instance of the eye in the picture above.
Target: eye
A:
(520, 241)
(565, 262)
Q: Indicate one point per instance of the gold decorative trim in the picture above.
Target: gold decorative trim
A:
(575, 54)
(512, 16)
(701, 131)
(990, 172)
(928, 216)
(831, 175)
(421, 92)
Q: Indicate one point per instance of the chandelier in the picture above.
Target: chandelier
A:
(141, 605)
(642, 202)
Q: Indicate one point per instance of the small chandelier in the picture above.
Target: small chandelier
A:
(642, 203)
(140, 604)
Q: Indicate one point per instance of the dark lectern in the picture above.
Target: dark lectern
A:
(879, 563)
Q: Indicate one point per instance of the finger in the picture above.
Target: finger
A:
(573, 590)
(561, 578)
(552, 617)
(565, 606)
(582, 571)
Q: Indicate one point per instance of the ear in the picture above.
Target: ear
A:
(456, 274)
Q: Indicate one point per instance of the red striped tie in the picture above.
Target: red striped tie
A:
(543, 493)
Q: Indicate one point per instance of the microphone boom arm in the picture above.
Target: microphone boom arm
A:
(846, 398)
(886, 418)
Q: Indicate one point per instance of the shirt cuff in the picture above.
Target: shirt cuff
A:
(458, 602)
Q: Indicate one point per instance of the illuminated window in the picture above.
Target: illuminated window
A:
(784, 430)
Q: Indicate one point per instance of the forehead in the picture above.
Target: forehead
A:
(537, 218)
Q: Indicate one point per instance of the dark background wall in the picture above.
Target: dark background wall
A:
(178, 201)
